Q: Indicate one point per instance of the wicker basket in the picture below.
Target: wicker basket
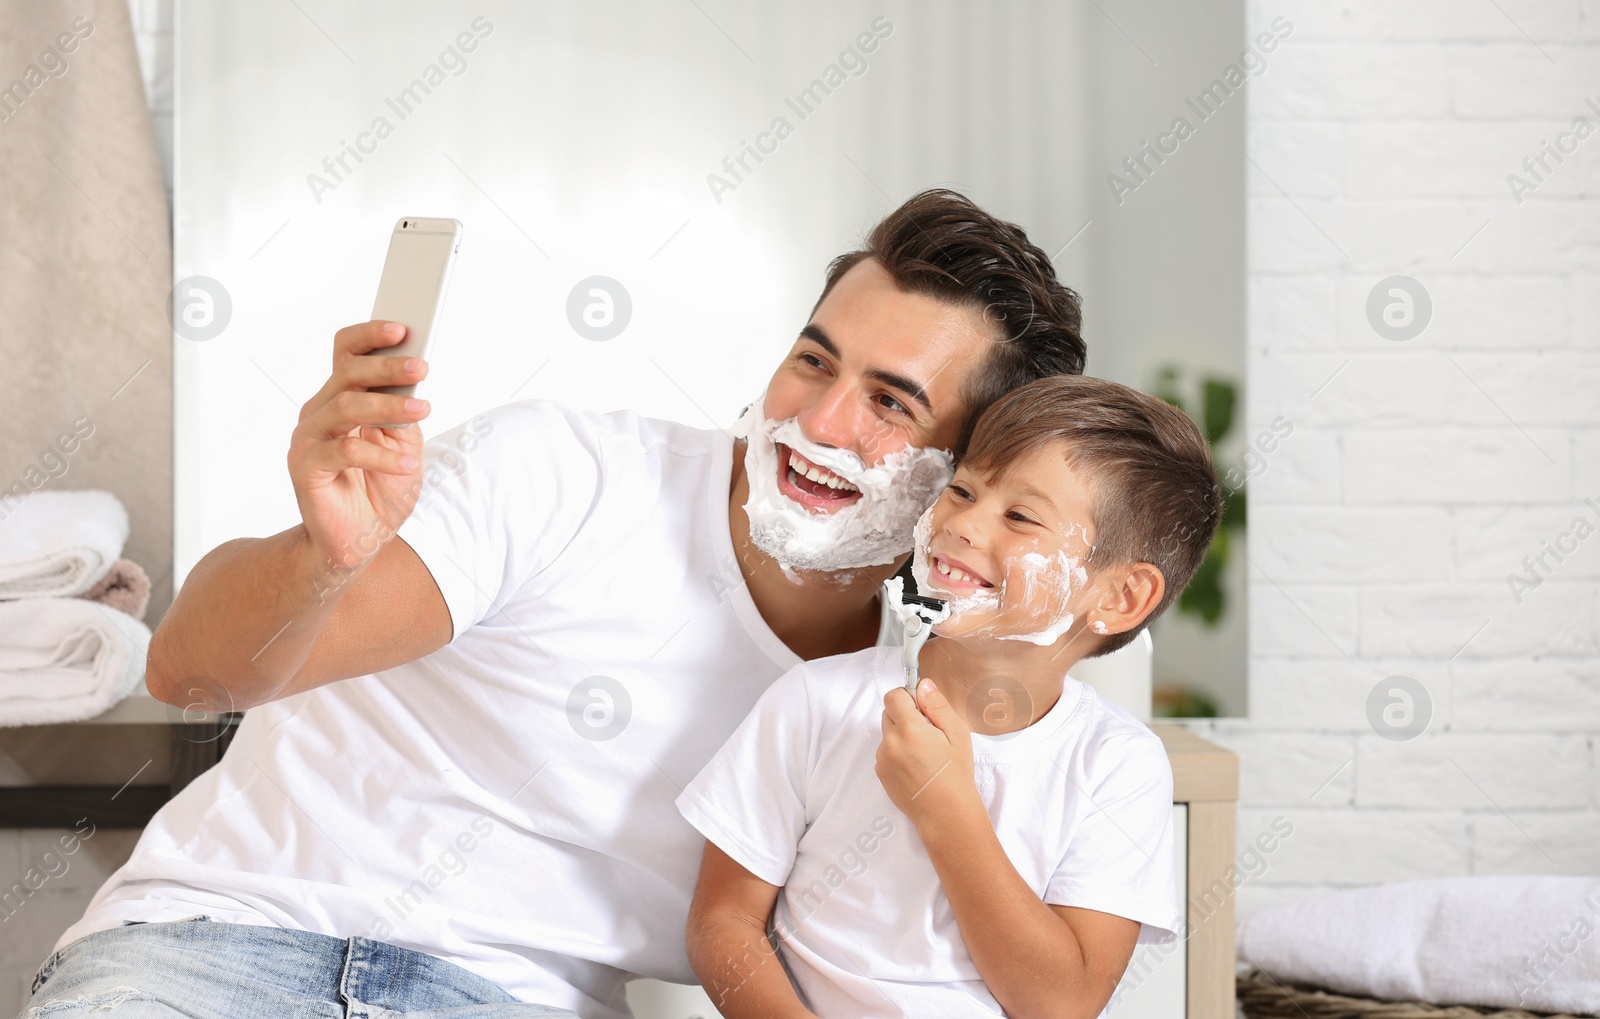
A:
(1265, 997)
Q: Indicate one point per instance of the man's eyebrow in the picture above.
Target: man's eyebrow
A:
(815, 334)
(910, 387)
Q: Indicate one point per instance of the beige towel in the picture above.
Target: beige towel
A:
(85, 270)
(126, 588)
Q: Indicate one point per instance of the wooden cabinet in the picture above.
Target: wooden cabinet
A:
(1193, 978)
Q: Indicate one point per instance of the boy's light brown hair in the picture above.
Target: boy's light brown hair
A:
(1154, 489)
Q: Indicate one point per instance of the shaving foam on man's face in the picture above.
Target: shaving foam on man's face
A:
(815, 507)
(1012, 564)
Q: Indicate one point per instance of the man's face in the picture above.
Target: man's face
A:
(874, 371)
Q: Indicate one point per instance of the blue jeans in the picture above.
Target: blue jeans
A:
(204, 969)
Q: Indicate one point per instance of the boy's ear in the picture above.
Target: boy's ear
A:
(1128, 594)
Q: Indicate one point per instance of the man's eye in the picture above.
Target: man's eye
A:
(893, 404)
(813, 360)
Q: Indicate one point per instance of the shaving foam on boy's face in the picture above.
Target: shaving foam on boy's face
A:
(815, 507)
(1009, 572)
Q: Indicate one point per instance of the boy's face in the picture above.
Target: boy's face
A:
(1011, 553)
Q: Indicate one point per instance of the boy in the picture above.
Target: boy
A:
(1015, 842)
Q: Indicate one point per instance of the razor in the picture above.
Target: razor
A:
(918, 615)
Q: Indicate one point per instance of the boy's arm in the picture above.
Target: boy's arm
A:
(1036, 959)
(728, 946)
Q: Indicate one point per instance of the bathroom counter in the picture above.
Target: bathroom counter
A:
(195, 741)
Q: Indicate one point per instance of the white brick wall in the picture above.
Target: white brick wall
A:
(1421, 472)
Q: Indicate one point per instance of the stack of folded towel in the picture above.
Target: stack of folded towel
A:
(71, 643)
(1524, 941)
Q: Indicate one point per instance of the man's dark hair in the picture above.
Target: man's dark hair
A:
(1151, 480)
(942, 245)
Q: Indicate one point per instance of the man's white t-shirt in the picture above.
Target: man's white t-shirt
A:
(1081, 801)
(505, 803)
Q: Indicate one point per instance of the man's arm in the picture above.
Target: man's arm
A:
(1036, 959)
(335, 596)
(728, 946)
(249, 625)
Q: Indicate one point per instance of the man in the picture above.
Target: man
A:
(455, 782)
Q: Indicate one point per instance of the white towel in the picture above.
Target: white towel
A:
(1530, 942)
(66, 659)
(59, 544)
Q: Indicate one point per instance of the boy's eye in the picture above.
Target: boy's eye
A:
(959, 491)
(1020, 518)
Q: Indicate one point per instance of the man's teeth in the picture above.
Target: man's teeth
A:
(953, 573)
(803, 469)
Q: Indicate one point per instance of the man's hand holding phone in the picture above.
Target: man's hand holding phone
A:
(334, 597)
(355, 458)
(355, 479)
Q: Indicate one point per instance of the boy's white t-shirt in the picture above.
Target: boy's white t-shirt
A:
(1081, 802)
(505, 803)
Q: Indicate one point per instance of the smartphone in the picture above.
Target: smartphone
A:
(416, 273)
